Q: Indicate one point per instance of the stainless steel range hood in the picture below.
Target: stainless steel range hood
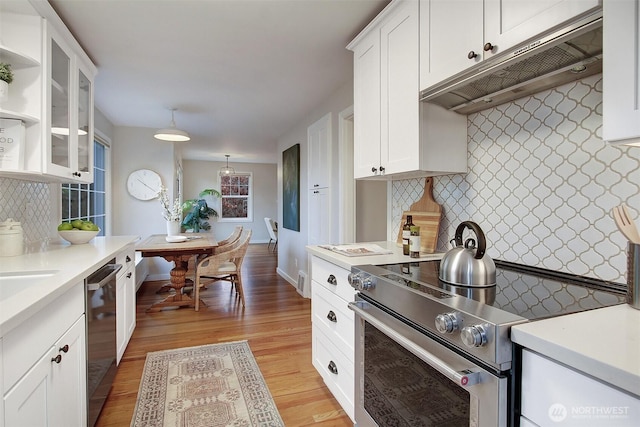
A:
(560, 57)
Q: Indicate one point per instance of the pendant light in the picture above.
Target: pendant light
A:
(227, 170)
(172, 133)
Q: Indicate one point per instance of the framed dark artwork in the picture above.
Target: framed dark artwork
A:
(291, 188)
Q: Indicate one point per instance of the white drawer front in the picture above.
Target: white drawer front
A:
(341, 384)
(126, 258)
(332, 277)
(331, 314)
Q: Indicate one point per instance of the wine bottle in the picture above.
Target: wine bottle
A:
(406, 234)
(414, 242)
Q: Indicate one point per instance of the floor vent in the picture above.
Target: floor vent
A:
(303, 287)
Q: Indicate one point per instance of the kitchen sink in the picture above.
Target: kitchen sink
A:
(12, 283)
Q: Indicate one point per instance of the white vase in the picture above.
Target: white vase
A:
(173, 228)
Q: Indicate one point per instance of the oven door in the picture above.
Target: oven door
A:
(405, 378)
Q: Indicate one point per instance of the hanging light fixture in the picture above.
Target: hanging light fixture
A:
(172, 133)
(227, 170)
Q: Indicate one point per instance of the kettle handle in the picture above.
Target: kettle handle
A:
(482, 243)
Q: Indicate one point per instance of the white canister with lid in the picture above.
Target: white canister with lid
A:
(11, 238)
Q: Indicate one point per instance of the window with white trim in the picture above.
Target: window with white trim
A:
(236, 191)
(88, 201)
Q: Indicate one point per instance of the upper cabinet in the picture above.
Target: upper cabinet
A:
(394, 133)
(51, 96)
(69, 153)
(455, 36)
(621, 76)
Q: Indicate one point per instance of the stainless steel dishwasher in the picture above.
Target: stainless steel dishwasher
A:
(100, 305)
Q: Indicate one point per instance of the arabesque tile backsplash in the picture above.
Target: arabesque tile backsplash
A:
(30, 203)
(541, 184)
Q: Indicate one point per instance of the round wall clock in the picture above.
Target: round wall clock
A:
(144, 184)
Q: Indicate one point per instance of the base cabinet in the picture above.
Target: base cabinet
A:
(44, 367)
(53, 392)
(332, 330)
(554, 394)
(125, 299)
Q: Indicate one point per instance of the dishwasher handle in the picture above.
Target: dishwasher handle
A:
(102, 276)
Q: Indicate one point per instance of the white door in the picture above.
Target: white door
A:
(320, 216)
(399, 134)
(319, 143)
(366, 105)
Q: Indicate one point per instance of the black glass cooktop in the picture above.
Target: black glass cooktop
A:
(529, 292)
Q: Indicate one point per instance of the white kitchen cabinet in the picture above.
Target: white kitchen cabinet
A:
(319, 145)
(333, 330)
(550, 389)
(621, 76)
(52, 93)
(44, 368)
(125, 299)
(319, 218)
(392, 129)
(455, 36)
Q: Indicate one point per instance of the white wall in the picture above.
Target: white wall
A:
(198, 175)
(132, 149)
(292, 255)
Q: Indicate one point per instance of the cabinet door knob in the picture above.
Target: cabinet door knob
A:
(129, 275)
(472, 55)
(57, 359)
(333, 368)
(374, 170)
(332, 316)
(128, 258)
(381, 169)
(64, 349)
(332, 280)
(488, 47)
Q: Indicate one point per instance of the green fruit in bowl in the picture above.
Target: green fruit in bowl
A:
(87, 226)
(77, 223)
(65, 226)
(95, 227)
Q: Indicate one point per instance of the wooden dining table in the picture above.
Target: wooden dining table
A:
(196, 244)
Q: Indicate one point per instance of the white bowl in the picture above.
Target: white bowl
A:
(77, 237)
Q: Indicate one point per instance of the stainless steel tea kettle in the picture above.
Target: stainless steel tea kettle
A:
(466, 264)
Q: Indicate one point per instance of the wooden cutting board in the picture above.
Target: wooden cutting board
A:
(426, 214)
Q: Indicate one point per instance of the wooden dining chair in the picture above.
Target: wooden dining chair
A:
(223, 246)
(225, 266)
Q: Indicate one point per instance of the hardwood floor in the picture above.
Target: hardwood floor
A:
(276, 322)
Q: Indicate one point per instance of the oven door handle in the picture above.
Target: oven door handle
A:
(465, 377)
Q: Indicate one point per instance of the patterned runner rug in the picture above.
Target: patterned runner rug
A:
(205, 386)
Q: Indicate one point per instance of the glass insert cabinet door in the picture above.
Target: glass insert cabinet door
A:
(70, 122)
(60, 153)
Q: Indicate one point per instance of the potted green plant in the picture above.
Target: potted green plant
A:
(196, 211)
(6, 77)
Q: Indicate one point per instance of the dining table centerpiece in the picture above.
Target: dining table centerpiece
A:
(171, 212)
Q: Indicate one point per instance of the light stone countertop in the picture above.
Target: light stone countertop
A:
(603, 343)
(348, 261)
(71, 264)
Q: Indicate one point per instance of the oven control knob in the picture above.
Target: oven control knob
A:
(474, 336)
(354, 280)
(359, 282)
(447, 323)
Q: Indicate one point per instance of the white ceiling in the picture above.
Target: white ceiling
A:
(240, 72)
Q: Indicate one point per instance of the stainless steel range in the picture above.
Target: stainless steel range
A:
(432, 353)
